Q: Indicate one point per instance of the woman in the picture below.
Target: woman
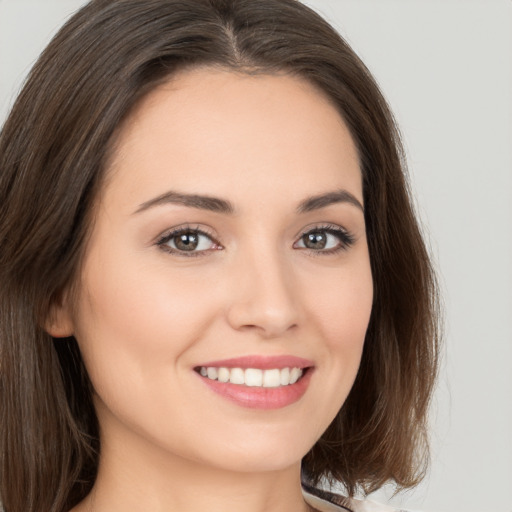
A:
(213, 282)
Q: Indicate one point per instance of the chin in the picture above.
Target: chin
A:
(264, 455)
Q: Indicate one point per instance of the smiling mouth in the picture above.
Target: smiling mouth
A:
(253, 377)
(258, 382)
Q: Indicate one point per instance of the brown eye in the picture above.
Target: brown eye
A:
(186, 241)
(325, 240)
(189, 242)
(316, 240)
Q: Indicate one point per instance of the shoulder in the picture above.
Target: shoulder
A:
(325, 501)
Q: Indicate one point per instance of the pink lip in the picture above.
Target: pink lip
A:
(261, 362)
(259, 397)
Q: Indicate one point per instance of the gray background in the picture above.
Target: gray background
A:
(445, 67)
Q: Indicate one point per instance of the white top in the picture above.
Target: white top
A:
(349, 505)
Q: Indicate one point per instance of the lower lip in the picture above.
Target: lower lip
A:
(260, 397)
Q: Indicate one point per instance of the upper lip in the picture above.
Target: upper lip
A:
(260, 362)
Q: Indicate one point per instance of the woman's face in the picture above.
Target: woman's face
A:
(227, 260)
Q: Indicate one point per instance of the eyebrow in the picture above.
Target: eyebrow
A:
(201, 202)
(322, 200)
(218, 205)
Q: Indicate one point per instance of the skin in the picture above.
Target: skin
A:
(145, 317)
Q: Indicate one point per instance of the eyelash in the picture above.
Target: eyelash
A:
(183, 230)
(345, 238)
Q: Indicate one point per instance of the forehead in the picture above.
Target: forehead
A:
(218, 132)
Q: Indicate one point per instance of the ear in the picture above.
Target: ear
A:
(59, 320)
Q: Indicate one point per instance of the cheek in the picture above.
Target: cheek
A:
(342, 314)
(344, 306)
(135, 321)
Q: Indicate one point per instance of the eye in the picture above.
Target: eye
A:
(327, 239)
(187, 242)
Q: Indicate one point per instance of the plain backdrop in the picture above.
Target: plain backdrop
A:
(445, 67)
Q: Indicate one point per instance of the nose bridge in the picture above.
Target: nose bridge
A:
(265, 298)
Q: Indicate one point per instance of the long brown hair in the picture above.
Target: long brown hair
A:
(53, 152)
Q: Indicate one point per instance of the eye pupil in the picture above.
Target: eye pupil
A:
(315, 240)
(186, 241)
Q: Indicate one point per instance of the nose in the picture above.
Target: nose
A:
(264, 297)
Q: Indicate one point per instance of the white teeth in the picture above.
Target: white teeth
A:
(237, 376)
(285, 376)
(294, 375)
(223, 375)
(271, 378)
(253, 377)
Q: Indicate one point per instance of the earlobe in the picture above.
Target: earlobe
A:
(59, 322)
